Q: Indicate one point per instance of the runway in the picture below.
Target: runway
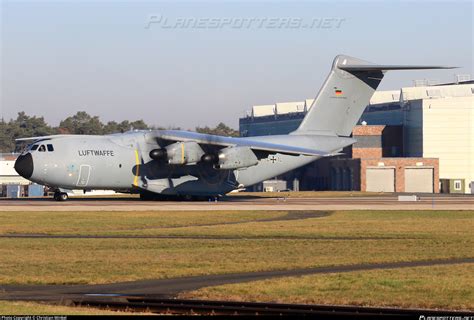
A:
(427, 202)
(166, 288)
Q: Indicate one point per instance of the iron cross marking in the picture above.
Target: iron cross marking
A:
(273, 159)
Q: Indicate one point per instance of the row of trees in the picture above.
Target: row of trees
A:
(80, 123)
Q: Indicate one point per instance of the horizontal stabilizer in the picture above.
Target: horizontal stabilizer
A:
(346, 93)
(383, 67)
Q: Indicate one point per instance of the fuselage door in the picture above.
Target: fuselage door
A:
(84, 174)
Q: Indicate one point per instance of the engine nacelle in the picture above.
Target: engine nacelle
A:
(235, 158)
(184, 152)
(179, 153)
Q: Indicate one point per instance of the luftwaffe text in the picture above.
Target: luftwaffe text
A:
(100, 153)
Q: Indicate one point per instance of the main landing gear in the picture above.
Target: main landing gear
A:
(60, 196)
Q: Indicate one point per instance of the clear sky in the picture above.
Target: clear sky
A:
(199, 63)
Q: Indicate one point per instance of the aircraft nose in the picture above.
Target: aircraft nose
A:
(24, 165)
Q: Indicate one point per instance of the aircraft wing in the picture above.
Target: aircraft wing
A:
(45, 137)
(254, 144)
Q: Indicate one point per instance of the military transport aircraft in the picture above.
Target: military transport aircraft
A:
(188, 164)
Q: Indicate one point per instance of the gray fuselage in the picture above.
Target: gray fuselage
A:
(121, 162)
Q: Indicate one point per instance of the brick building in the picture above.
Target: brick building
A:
(375, 164)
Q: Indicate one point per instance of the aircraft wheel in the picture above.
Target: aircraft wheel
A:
(60, 196)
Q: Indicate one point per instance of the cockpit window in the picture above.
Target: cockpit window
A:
(50, 147)
(34, 147)
(42, 148)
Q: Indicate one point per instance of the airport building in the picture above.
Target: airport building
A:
(416, 139)
(11, 184)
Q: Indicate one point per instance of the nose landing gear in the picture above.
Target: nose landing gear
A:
(60, 196)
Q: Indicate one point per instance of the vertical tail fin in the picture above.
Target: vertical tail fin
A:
(345, 94)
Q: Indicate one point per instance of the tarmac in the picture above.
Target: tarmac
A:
(427, 202)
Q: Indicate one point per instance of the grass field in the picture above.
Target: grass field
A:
(450, 287)
(340, 238)
(100, 222)
(29, 308)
